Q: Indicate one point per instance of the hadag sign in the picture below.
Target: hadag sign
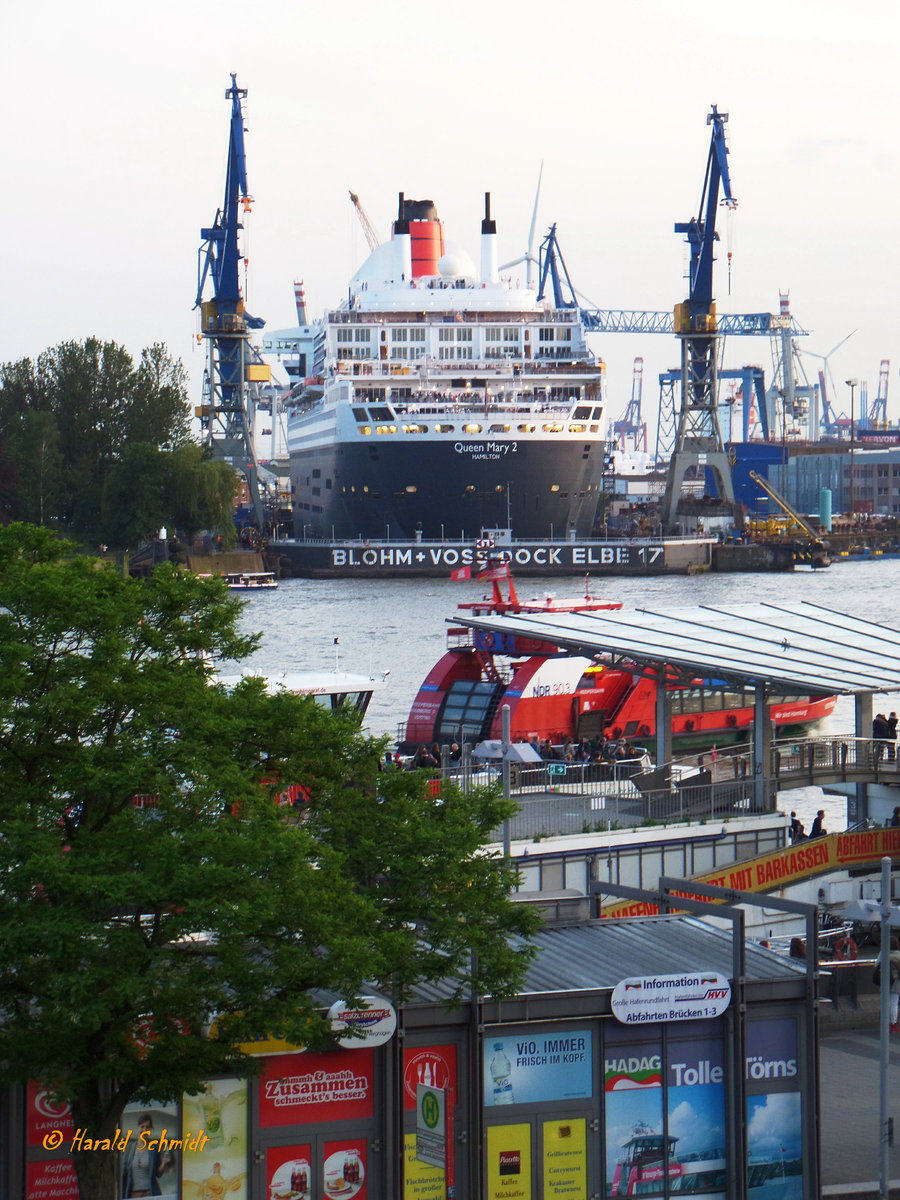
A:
(691, 996)
(369, 1023)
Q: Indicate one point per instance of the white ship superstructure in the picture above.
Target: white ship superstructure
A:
(440, 399)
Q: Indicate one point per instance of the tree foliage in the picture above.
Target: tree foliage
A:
(206, 901)
(69, 417)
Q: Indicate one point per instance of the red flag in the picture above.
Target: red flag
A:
(461, 573)
(501, 571)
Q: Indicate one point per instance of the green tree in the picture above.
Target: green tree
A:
(100, 404)
(208, 902)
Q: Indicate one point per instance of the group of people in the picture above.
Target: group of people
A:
(431, 758)
(884, 734)
(594, 750)
(797, 830)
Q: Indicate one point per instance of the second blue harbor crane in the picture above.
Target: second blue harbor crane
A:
(234, 370)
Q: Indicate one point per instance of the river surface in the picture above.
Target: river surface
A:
(374, 626)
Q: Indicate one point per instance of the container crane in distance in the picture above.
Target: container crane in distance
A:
(630, 424)
(234, 369)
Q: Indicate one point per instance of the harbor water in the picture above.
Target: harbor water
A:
(398, 626)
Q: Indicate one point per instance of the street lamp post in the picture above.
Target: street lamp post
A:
(851, 384)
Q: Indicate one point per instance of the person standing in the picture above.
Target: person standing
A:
(892, 736)
(881, 733)
(795, 830)
(818, 825)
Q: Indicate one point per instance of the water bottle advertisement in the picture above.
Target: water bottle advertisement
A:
(535, 1067)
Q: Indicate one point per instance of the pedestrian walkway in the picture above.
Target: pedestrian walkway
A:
(849, 1109)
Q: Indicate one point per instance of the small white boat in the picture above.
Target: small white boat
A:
(250, 581)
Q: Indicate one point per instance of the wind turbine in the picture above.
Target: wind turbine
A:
(528, 257)
(828, 400)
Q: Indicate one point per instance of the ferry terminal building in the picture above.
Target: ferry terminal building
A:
(651, 1056)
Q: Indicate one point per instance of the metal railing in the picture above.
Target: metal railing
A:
(566, 798)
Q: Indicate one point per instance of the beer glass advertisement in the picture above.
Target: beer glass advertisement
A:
(535, 1067)
(289, 1172)
(509, 1162)
(152, 1151)
(774, 1111)
(216, 1121)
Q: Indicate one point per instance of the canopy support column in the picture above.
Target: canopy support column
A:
(858, 800)
(762, 747)
(663, 717)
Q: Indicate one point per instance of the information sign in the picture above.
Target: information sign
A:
(431, 1125)
(690, 996)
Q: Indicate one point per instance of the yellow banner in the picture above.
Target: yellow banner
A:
(565, 1159)
(421, 1181)
(769, 872)
(509, 1162)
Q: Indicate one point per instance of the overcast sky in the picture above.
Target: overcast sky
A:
(116, 133)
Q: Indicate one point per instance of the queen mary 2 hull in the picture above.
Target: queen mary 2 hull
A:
(441, 399)
(448, 490)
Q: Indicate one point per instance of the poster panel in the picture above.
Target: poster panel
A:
(338, 1086)
(289, 1172)
(51, 1180)
(509, 1162)
(45, 1115)
(695, 1104)
(218, 1113)
(774, 1111)
(152, 1152)
(48, 1126)
(345, 1169)
(633, 1104)
(565, 1159)
(434, 1066)
(536, 1067)
(420, 1181)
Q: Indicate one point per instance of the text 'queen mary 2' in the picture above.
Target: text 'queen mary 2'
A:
(439, 400)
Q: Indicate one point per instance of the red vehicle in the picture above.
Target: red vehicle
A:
(555, 695)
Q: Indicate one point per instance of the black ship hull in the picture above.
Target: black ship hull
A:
(446, 489)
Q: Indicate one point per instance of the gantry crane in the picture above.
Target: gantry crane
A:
(878, 418)
(630, 424)
(698, 438)
(234, 368)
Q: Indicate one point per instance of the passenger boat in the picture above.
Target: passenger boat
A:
(440, 397)
(251, 581)
(562, 697)
(330, 689)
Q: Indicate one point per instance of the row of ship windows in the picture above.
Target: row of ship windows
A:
(454, 333)
(472, 427)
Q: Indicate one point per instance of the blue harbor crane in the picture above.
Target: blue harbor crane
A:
(234, 369)
(698, 438)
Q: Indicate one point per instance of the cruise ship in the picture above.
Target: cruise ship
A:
(440, 399)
